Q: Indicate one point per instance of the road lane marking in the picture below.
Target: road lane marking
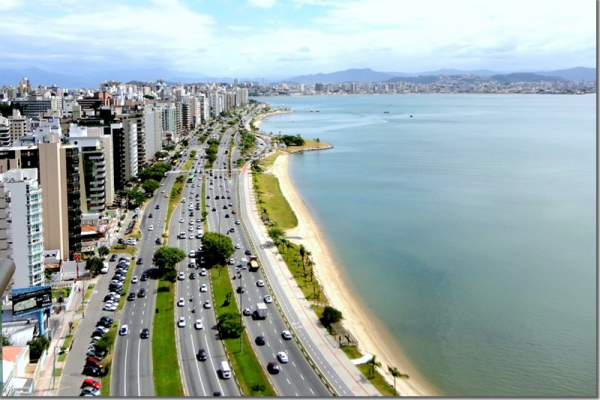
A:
(125, 370)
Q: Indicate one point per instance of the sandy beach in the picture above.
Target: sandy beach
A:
(370, 334)
(258, 119)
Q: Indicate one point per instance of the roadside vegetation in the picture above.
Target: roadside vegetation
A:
(273, 207)
(107, 343)
(167, 377)
(174, 198)
(123, 248)
(248, 370)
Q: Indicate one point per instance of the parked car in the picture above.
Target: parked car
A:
(90, 391)
(113, 258)
(92, 371)
(91, 383)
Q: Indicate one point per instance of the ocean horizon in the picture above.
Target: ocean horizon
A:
(468, 229)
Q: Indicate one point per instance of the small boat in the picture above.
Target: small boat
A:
(311, 110)
(316, 110)
(411, 116)
(386, 112)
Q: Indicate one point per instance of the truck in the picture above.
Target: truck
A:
(253, 263)
(261, 311)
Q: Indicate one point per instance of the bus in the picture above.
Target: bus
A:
(191, 178)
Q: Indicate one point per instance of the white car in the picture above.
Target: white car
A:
(191, 236)
(181, 220)
(260, 283)
(237, 222)
(162, 191)
(115, 295)
(104, 269)
(102, 329)
(191, 222)
(203, 271)
(237, 246)
(287, 335)
(181, 322)
(134, 279)
(203, 287)
(110, 307)
(268, 299)
(231, 261)
(124, 330)
(207, 304)
(198, 324)
(282, 357)
(151, 228)
(181, 276)
(181, 302)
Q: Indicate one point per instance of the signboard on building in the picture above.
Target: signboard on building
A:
(28, 300)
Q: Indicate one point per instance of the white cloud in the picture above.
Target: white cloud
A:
(262, 3)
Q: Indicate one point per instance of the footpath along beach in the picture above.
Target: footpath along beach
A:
(371, 336)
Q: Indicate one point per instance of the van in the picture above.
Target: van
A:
(225, 371)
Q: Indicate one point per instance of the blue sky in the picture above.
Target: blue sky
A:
(282, 38)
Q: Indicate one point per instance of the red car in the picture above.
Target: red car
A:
(91, 383)
(233, 211)
(93, 362)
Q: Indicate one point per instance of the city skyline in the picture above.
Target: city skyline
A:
(278, 39)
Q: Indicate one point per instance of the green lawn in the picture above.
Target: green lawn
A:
(173, 201)
(276, 205)
(123, 298)
(118, 248)
(247, 368)
(167, 378)
(378, 381)
(307, 143)
(107, 362)
(188, 164)
(88, 292)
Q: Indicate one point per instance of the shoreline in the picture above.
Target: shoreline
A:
(371, 341)
(259, 119)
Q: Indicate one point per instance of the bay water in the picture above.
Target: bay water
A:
(468, 229)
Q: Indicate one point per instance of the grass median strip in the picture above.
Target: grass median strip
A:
(167, 378)
(109, 339)
(248, 370)
(274, 203)
(174, 198)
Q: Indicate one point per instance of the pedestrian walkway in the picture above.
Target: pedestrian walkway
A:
(301, 310)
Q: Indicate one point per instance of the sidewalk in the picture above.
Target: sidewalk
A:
(304, 321)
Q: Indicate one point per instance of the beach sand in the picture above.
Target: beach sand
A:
(258, 119)
(372, 337)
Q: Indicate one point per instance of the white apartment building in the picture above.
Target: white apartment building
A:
(154, 131)
(21, 232)
(4, 132)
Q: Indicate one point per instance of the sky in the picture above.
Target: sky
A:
(284, 38)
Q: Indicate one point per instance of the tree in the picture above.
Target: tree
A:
(161, 154)
(331, 316)
(229, 325)
(204, 214)
(397, 374)
(6, 341)
(276, 234)
(258, 387)
(150, 185)
(103, 251)
(94, 265)
(37, 347)
(217, 248)
(302, 252)
(168, 257)
(179, 179)
(374, 364)
(185, 142)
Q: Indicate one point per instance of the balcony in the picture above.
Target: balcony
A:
(101, 194)
(96, 158)
(74, 193)
(101, 164)
(97, 189)
(35, 221)
(100, 176)
(35, 231)
(98, 208)
(97, 201)
(32, 252)
(75, 220)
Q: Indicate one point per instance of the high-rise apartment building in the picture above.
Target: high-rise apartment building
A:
(21, 231)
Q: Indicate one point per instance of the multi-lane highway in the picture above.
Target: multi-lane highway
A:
(296, 378)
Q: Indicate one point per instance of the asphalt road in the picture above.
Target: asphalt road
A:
(297, 377)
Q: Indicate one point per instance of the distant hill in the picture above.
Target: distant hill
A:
(525, 77)
(350, 75)
(573, 74)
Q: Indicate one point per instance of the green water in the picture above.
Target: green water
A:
(469, 230)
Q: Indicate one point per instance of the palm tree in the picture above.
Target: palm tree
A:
(397, 374)
(374, 364)
(302, 252)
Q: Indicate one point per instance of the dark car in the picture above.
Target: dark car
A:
(193, 275)
(241, 289)
(208, 197)
(158, 241)
(145, 333)
(106, 321)
(140, 261)
(201, 355)
(232, 230)
(273, 368)
(131, 296)
(113, 257)
(90, 370)
(260, 340)
(214, 209)
(225, 207)
(97, 333)
(150, 215)
(247, 252)
(226, 215)
(144, 277)
(223, 197)
(157, 206)
(229, 197)
(142, 292)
